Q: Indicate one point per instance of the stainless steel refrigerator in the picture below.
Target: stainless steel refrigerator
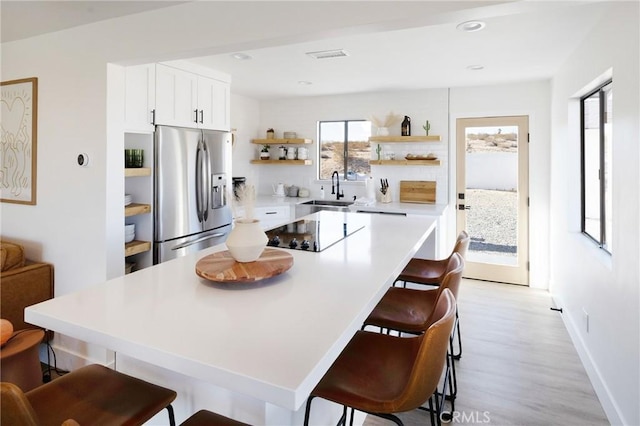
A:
(191, 176)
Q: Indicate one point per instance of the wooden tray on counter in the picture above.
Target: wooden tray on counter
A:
(222, 268)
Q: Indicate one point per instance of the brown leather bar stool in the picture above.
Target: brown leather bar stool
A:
(432, 272)
(208, 418)
(381, 374)
(20, 361)
(91, 395)
(413, 311)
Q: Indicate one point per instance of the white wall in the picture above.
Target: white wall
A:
(245, 119)
(583, 277)
(302, 114)
(531, 99)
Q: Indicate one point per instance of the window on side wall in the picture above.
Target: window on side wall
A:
(344, 147)
(597, 166)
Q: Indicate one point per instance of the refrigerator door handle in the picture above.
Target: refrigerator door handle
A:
(199, 181)
(207, 181)
(208, 237)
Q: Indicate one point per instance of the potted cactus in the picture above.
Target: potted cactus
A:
(427, 127)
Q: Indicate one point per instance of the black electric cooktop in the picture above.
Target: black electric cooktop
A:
(309, 235)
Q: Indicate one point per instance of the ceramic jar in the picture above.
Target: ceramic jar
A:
(292, 191)
(291, 153)
(247, 240)
(303, 153)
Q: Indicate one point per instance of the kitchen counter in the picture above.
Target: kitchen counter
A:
(394, 207)
(435, 210)
(269, 342)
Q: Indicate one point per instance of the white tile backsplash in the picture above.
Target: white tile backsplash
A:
(301, 115)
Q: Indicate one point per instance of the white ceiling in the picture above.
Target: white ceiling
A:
(23, 19)
(523, 40)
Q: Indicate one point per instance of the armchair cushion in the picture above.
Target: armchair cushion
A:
(11, 256)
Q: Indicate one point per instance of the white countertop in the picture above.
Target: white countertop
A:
(394, 207)
(271, 340)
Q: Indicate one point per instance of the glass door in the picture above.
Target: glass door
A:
(492, 196)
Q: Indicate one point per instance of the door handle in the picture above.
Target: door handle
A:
(201, 116)
(195, 111)
(199, 240)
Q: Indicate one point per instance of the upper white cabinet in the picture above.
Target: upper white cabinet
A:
(213, 104)
(176, 97)
(140, 98)
(189, 100)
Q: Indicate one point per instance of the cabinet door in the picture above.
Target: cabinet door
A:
(270, 217)
(176, 97)
(140, 98)
(213, 104)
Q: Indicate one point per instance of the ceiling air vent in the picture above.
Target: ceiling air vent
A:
(326, 54)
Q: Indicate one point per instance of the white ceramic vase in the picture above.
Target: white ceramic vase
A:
(247, 240)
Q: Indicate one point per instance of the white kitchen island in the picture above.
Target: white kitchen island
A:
(252, 352)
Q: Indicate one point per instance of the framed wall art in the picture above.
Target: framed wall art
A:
(18, 141)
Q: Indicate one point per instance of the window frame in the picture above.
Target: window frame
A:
(601, 240)
(345, 151)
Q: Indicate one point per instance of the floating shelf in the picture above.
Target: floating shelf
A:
(400, 139)
(284, 162)
(135, 247)
(297, 141)
(133, 172)
(405, 162)
(134, 209)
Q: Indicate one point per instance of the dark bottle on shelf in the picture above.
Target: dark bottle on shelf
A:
(406, 126)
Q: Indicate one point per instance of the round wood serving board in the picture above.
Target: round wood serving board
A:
(221, 267)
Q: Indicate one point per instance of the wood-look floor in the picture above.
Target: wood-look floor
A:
(518, 365)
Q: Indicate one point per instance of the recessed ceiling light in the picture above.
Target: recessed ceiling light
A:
(471, 26)
(475, 67)
(305, 83)
(241, 56)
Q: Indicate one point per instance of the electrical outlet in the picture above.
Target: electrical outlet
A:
(585, 319)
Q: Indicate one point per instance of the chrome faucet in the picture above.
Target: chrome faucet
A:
(333, 187)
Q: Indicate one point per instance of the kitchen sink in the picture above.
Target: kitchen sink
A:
(313, 206)
(328, 203)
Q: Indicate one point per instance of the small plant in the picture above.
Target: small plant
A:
(378, 151)
(427, 127)
(265, 148)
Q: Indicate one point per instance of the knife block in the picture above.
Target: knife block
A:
(385, 198)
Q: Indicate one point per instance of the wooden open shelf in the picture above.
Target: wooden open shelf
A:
(140, 171)
(284, 162)
(400, 139)
(135, 247)
(405, 162)
(297, 141)
(134, 209)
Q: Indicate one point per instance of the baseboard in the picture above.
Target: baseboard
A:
(607, 401)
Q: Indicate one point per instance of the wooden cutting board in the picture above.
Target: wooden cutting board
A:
(221, 267)
(418, 191)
